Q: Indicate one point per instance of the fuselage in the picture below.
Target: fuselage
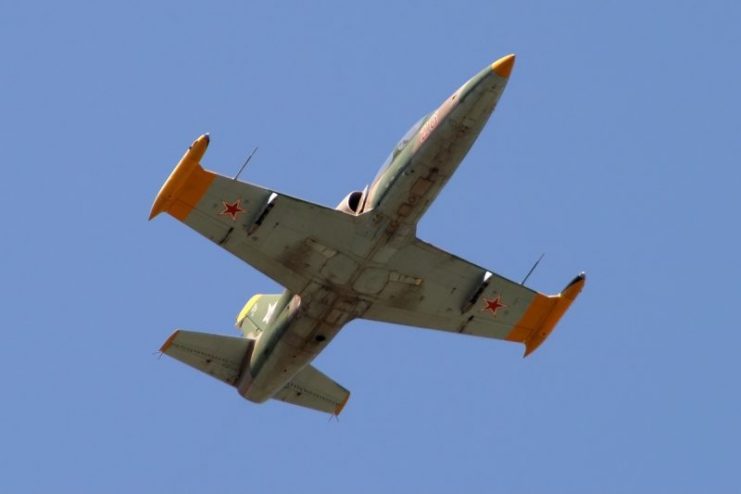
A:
(302, 324)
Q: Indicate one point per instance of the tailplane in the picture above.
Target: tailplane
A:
(228, 359)
(311, 388)
(224, 357)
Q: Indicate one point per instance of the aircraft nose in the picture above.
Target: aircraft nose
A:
(480, 94)
(503, 66)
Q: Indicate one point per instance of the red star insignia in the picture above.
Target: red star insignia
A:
(232, 209)
(493, 305)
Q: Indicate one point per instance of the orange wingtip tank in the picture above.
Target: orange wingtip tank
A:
(562, 302)
(187, 172)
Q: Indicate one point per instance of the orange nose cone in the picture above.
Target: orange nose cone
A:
(503, 66)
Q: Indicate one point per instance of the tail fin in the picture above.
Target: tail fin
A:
(259, 312)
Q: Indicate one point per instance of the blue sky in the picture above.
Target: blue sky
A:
(614, 150)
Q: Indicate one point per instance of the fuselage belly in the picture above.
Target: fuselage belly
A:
(401, 193)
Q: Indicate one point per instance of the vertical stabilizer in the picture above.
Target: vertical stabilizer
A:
(260, 311)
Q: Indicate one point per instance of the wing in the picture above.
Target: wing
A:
(431, 288)
(310, 388)
(285, 238)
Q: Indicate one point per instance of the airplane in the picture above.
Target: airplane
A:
(360, 260)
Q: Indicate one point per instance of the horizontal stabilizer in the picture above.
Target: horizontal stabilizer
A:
(222, 357)
(310, 388)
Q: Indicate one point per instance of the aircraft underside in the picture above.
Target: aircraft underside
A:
(360, 260)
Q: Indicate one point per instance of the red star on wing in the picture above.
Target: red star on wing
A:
(232, 209)
(493, 305)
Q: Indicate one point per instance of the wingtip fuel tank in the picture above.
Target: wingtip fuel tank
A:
(179, 176)
(562, 303)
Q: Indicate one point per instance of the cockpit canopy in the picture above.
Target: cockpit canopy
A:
(401, 145)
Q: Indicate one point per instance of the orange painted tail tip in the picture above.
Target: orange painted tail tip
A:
(503, 66)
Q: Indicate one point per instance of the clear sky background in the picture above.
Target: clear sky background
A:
(614, 150)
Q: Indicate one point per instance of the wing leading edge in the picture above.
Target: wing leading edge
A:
(452, 294)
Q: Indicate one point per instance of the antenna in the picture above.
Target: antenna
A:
(532, 269)
(245, 163)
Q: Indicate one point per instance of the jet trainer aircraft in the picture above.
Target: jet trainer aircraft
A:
(359, 260)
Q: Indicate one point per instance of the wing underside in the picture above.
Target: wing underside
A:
(297, 242)
(451, 294)
(288, 239)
